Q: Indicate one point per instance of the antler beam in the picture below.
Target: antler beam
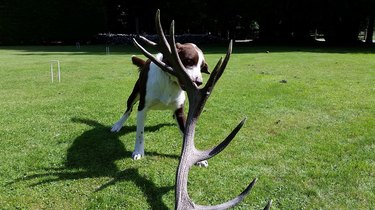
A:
(197, 99)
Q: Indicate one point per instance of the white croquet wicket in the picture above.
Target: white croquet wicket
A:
(107, 50)
(52, 62)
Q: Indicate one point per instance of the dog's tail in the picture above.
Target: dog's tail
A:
(138, 62)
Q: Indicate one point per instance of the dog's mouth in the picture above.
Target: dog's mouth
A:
(198, 83)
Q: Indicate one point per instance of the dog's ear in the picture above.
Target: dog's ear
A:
(138, 61)
(204, 68)
(179, 47)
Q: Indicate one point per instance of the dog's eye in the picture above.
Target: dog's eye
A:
(189, 62)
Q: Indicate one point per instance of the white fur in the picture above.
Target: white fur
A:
(162, 90)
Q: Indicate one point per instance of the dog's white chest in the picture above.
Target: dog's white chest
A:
(162, 90)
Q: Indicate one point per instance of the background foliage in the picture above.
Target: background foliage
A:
(43, 21)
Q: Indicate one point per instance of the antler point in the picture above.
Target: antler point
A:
(268, 206)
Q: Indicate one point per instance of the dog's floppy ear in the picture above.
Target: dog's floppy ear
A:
(204, 68)
(178, 47)
(138, 61)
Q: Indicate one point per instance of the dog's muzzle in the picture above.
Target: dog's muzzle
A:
(198, 83)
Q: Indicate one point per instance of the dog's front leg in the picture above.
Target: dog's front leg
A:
(139, 150)
(180, 119)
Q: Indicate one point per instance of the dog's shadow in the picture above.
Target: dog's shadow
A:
(93, 154)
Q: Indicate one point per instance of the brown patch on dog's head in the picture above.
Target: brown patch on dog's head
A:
(188, 54)
(193, 60)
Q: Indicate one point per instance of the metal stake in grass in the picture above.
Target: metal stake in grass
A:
(107, 50)
(52, 62)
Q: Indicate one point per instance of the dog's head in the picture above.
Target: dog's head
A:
(193, 60)
(191, 57)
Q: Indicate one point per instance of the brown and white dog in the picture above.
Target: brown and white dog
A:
(156, 89)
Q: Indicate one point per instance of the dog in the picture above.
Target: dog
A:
(157, 89)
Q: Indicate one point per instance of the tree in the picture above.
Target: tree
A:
(43, 21)
(370, 30)
(29, 21)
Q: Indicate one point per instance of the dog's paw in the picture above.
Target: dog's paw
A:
(116, 127)
(203, 163)
(137, 156)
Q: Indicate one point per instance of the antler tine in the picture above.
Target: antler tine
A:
(177, 64)
(219, 69)
(226, 59)
(161, 64)
(147, 41)
(232, 202)
(166, 49)
(214, 77)
(268, 206)
(205, 155)
(162, 47)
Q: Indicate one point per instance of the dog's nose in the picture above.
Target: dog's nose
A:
(198, 82)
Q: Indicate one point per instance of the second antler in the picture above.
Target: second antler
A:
(197, 99)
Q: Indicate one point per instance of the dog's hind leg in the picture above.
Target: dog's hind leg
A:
(133, 98)
(139, 147)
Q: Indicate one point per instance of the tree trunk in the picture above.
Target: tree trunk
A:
(370, 30)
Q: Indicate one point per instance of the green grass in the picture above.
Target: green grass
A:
(310, 141)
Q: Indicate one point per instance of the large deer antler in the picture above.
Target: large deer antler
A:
(197, 99)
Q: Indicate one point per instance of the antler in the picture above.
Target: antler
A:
(197, 99)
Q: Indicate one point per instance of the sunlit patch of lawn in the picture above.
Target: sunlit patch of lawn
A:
(309, 137)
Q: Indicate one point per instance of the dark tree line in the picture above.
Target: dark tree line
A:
(45, 21)
(39, 21)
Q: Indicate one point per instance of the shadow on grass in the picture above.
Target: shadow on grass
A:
(93, 154)
(154, 194)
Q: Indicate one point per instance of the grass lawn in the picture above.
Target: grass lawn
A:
(309, 137)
